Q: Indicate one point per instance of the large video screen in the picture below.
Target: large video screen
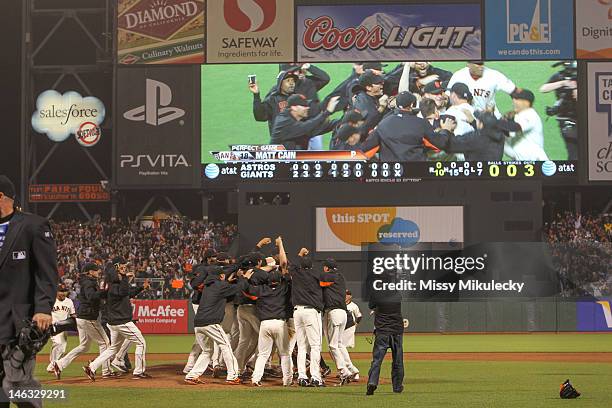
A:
(518, 117)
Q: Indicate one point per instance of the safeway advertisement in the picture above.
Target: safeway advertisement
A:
(161, 316)
(342, 229)
(381, 32)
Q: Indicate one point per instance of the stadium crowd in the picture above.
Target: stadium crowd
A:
(582, 253)
(160, 254)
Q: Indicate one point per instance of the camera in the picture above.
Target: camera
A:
(565, 106)
(252, 79)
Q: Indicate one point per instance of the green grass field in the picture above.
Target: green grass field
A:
(227, 116)
(427, 383)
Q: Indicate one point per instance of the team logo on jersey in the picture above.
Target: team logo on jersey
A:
(249, 15)
(529, 21)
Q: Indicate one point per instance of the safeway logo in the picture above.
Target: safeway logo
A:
(157, 110)
(249, 15)
(159, 311)
(605, 305)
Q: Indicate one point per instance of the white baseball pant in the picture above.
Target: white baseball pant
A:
(228, 321)
(58, 348)
(335, 320)
(249, 333)
(119, 333)
(273, 332)
(89, 331)
(309, 335)
(206, 336)
(195, 348)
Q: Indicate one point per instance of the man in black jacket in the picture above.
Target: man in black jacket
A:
(334, 295)
(389, 332)
(28, 285)
(275, 101)
(369, 99)
(120, 322)
(208, 326)
(486, 143)
(90, 330)
(402, 135)
(293, 129)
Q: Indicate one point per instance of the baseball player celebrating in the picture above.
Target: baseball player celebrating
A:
(62, 309)
(483, 83)
(348, 337)
(334, 298)
(307, 300)
(527, 143)
(90, 330)
(208, 326)
(273, 308)
(120, 321)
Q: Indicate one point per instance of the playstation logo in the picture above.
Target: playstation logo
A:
(157, 110)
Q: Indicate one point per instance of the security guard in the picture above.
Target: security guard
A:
(28, 285)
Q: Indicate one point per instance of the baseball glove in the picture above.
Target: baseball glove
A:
(567, 391)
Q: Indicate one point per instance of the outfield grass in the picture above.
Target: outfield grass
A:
(227, 103)
(427, 384)
(431, 343)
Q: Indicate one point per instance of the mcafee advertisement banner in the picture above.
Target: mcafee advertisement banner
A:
(386, 32)
(161, 316)
(158, 126)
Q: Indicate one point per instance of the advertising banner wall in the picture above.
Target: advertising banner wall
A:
(161, 316)
(341, 229)
(384, 32)
(250, 31)
(529, 29)
(55, 193)
(600, 121)
(158, 126)
(160, 31)
(594, 316)
(594, 29)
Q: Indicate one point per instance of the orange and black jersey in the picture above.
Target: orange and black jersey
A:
(305, 287)
(334, 290)
(271, 302)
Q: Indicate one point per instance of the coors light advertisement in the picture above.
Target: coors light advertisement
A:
(385, 32)
(160, 31)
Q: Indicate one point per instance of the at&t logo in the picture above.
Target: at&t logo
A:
(249, 15)
(529, 22)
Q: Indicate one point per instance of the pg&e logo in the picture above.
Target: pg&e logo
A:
(529, 21)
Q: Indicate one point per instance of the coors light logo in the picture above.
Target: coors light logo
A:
(159, 19)
(321, 33)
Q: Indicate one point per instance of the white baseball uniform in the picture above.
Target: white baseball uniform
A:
(348, 337)
(206, 336)
(463, 126)
(62, 309)
(483, 89)
(335, 322)
(89, 330)
(528, 144)
(195, 347)
(309, 330)
(120, 333)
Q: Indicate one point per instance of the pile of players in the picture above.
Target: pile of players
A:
(247, 311)
(415, 112)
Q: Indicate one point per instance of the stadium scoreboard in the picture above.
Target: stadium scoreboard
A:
(390, 172)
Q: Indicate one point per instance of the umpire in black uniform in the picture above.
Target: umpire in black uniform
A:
(28, 285)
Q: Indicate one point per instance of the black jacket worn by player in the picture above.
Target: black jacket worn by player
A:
(400, 137)
(443, 76)
(212, 305)
(274, 103)
(272, 301)
(28, 272)
(310, 86)
(368, 106)
(295, 134)
(118, 305)
(89, 298)
(334, 290)
(305, 287)
(479, 145)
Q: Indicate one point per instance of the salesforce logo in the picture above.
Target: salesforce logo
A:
(400, 232)
(211, 171)
(549, 168)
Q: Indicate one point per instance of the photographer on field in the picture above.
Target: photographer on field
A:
(564, 84)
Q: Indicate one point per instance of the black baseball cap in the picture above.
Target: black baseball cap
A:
(526, 94)
(7, 187)
(435, 87)
(461, 90)
(298, 100)
(289, 67)
(374, 65)
(405, 100)
(370, 78)
(346, 131)
(353, 115)
(91, 266)
(330, 263)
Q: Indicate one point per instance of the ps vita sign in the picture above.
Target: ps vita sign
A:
(60, 115)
